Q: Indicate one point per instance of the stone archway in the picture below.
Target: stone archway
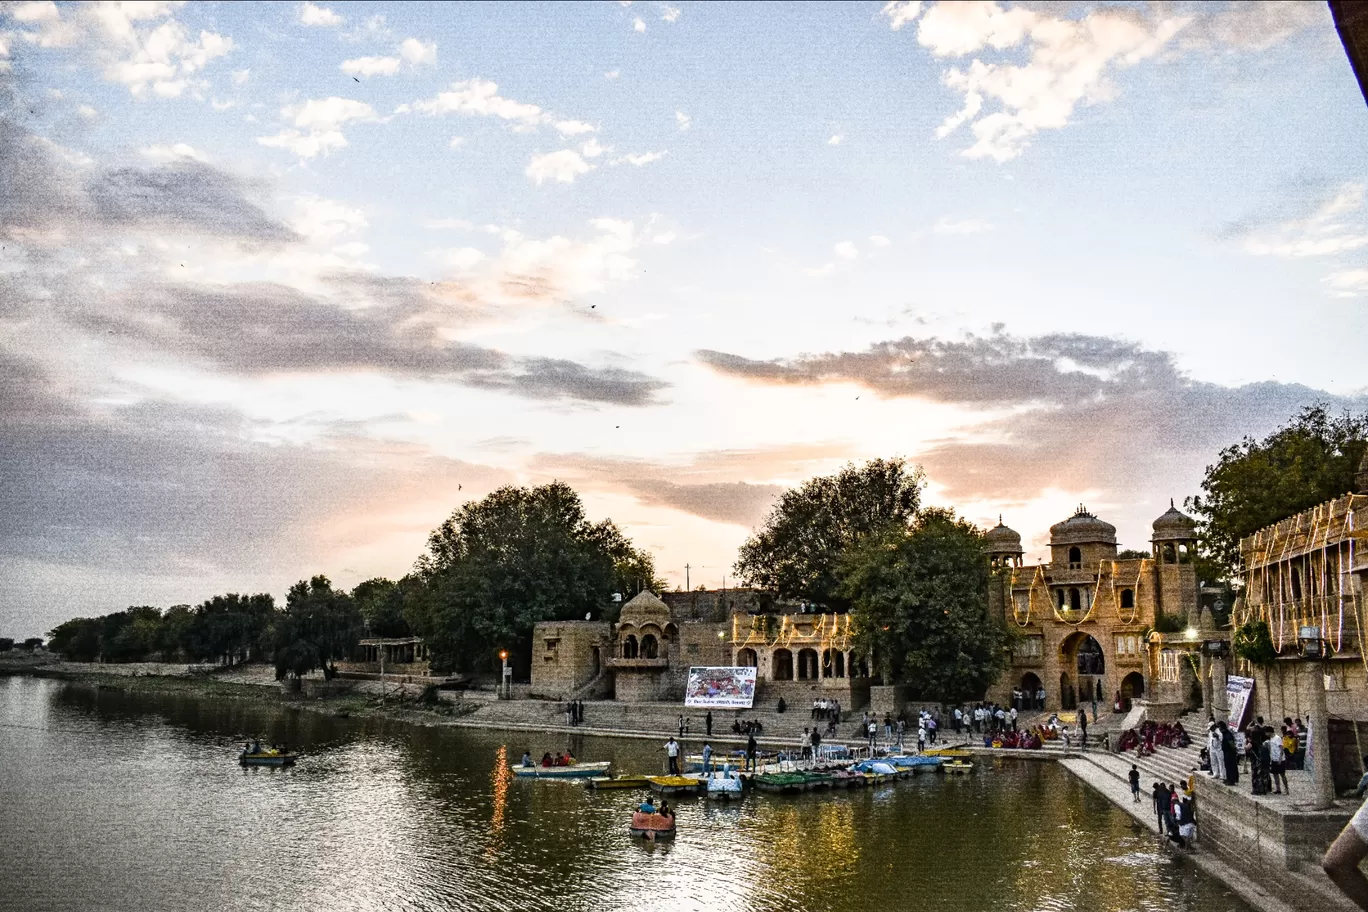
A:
(1132, 688)
(1082, 655)
(747, 658)
(1067, 696)
(782, 665)
(1030, 686)
(807, 665)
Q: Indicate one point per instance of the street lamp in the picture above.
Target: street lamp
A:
(507, 682)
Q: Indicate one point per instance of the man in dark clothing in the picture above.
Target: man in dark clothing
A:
(1083, 727)
(1160, 796)
(750, 752)
(1135, 782)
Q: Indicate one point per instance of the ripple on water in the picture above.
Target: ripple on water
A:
(121, 802)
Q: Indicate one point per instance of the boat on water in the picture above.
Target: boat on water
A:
(618, 782)
(798, 781)
(725, 786)
(914, 763)
(266, 758)
(570, 771)
(652, 826)
(673, 785)
(957, 766)
(876, 771)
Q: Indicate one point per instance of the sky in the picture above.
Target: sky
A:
(283, 285)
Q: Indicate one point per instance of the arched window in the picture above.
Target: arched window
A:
(1090, 660)
(1170, 555)
(1075, 555)
(827, 665)
(1060, 594)
(650, 649)
(1127, 598)
(840, 664)
(746, 658)
(629, 648)
(782, 663)
(807, 665)
(1075, 602)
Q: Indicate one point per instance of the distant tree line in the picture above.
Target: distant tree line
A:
(491, 571)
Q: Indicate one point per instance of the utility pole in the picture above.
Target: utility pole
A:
(686, 579)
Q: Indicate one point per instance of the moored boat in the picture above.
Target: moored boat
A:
(571, 771)
(652, 826)
(619, 782)
(672, 785)
(957, 766)
(266, 758)
(725, 786)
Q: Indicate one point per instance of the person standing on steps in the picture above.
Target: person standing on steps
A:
(1082, 728)
(750, 752)
(1135, 783)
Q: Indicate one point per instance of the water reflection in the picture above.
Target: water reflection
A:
(137, 803)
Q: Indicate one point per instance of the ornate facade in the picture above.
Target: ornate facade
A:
(1081, 620)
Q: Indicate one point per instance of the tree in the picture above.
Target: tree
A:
(381, 604)
(320, 625)
(33, 643)
(6, 644)
(633, 569)
(919, 598)
(803, 540)
(1133, 554)
(231, 628)
(498, 566)
(77, 640)
(1254, 484)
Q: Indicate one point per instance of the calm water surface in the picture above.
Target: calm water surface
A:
(110, 801)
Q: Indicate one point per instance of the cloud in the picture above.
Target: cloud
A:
(1348, 283)
(418, 52)
(318, 124)
(1334, 224)
(683, 120)
(456, 142)
(371, 66)
(669, 13)
(42, 190)
(638, 24)
(574, 127)
(1066, 412)
(309, 14)
(562, 167)
(878, 240)
(901, 12)
(836, 140)
(1252, 26)
(141, 46)
(612, 74)
(1069, 62)
(481, 98)
(176, 152)
(846, 250)
(644, 158)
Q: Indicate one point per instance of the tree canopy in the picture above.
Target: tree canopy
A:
(320, 625)
(498, 566)
(797, 552)
(1256, 483)
(920, 600)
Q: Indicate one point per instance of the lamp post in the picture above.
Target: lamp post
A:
(506, 683)
(1318, 741)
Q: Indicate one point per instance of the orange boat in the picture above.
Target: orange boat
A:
(652, 826)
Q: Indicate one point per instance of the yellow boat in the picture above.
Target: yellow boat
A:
(620, 782)
(947, 752)
(957, 766)
(670, 785)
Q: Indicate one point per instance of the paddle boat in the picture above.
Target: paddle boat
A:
(913, 763)
(876, 771)
(957, 766)
(672, 785)
(652, 826)
(725, 785)
(259, 756)
(619, 782)
(570, 771)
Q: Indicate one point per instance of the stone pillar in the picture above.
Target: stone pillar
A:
(1208, 708)
(1322, 781)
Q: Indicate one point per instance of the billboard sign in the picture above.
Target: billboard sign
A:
(726, 687)
(1238, 693)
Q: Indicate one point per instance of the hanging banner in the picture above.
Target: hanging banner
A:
(729, 687)
(1239, 694)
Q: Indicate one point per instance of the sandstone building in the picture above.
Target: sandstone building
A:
(1081, 620)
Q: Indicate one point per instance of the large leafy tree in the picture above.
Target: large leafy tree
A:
(381, 604)
(77, 640)
(231, 628)
(920, 601)
(497, 566)
(795, 554)
(1256, 483)
(319, 626)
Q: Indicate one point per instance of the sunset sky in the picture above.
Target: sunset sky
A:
(283, 285)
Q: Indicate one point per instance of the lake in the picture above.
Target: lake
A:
(118, 801)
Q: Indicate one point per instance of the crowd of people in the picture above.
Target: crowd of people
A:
(561, 759)
(1149, 735)
(1269, 754)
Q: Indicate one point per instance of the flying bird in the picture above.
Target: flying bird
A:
(354, 79)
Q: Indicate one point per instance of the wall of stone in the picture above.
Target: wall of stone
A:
(641, 685)
(566, 655)
(1256, 837)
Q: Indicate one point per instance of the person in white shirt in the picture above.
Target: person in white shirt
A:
(806, 744)
(672, 752)
(1341, 861)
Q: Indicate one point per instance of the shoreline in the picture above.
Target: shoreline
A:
(362, 705)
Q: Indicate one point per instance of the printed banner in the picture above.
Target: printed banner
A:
(728, 688)
(1239, 692)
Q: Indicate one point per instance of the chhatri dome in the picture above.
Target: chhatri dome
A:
(1002, 540)
(1174, 525)
(1082, 529)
